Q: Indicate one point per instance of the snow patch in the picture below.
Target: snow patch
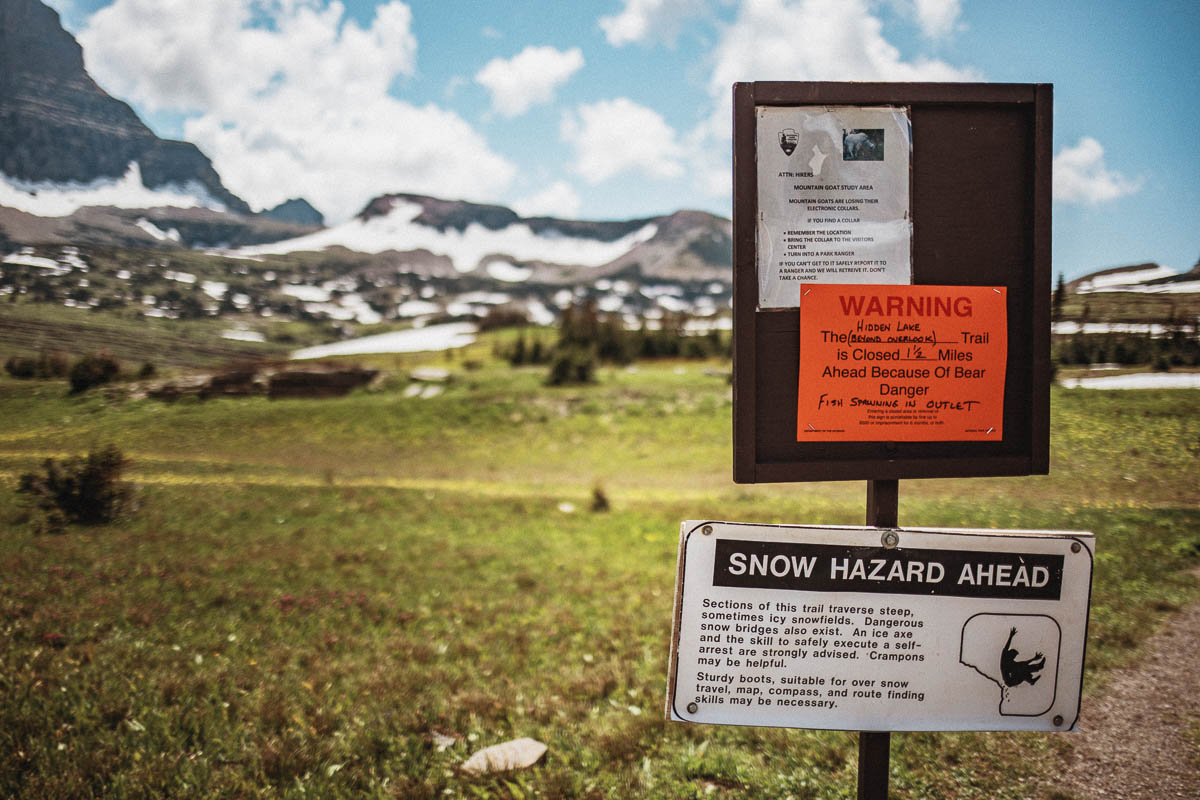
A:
(1141, 380)
(308, 294)
(224, 254)
(486, 298)
(70, 257)
(48, 199)
(539, 314)
(214, 289)
(26, 258)
(1127, 278)
(1070, 328)
(243, 336)
(661, 291)
(346, 308)
(563, 298)
(467, 249)
(671, 303)
(460, 309)
(158, 233)
(610, 303)
(434, 337)
(1175, 287)
(508, 272)
(1139, 281)
(417, 308)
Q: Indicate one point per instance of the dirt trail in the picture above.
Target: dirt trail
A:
(1137, 740)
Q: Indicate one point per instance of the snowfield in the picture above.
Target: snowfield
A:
(1141, 380)
(435, 337)
(466, 249)
(1139, 281)
(46, 199)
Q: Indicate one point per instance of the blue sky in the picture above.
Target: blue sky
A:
(620, 108)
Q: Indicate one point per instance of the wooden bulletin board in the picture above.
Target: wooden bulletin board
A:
(980, 211)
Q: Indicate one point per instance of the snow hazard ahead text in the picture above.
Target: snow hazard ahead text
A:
(833, 568)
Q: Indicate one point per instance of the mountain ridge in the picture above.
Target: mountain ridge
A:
(58, 126)
(1148, 277)
(432, 234)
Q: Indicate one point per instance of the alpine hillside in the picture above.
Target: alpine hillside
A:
(76, 163)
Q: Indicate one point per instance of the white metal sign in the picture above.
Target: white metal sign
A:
(833, 198)
(879, 629)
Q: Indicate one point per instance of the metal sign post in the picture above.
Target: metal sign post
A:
(874, 747)
(873, 754)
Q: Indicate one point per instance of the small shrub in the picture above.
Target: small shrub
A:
(502, 317)
(87, 490)
(94, 369)
(53, 364)
(20, 367)
(522, 351)
(600, 502)
(48, 364)
(148, 370)
(572, 364)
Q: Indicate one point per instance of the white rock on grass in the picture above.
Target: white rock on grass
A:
(505, 757)
(429, 374)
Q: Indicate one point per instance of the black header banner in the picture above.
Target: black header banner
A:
(838, 568)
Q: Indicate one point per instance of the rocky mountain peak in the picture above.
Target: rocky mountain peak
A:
(443, 214)
(57, 125)
(298, 211)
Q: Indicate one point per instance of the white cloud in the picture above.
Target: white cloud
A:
(799, 40)
(644, 21)
(937, 18)
(290, 98)
(830, 40)
(615, 136)
(1082, 176)
(529, 78)
(559, 199)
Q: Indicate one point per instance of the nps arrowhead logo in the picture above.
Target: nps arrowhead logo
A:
(788, 139)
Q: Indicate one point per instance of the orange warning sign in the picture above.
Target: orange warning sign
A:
(901, 363)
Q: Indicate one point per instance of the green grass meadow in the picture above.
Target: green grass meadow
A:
(347, 597)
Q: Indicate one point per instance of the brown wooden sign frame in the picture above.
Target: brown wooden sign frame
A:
(981, 187)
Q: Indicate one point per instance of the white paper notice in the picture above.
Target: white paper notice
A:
(833, 198)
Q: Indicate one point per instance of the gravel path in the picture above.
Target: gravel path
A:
(1133, 741)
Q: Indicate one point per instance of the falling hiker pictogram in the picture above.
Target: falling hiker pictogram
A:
(1028, 685)
(1016, 672)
